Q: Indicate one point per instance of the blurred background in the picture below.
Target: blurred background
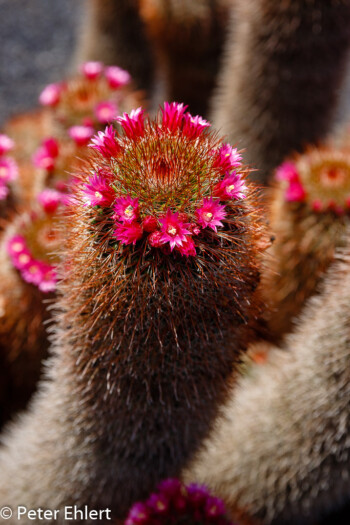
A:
(37, 38)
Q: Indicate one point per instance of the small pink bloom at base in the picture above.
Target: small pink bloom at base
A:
(21, 259)
(126, 209)
(50, 96)
(174, 231)
(227, 158)
(128, 233)
(6, 144)
(81, 134)
(155, 239)
(32, 272)
(117, 77)
(231, 187)
(16, 245)
(106, 112)
(50, 199)
(106, 142)
(188, 247)
(48, 278)
(133, 124)
(97, 192)
(295, 192)
(92, 70)
(8, 170)
(173, 115)
(210, 214)
(317, 205)
(194, 126)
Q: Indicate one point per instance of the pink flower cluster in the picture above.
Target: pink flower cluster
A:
(288, 172)
(175, 503)
(39, 273)
(172, 229)
(8, 166)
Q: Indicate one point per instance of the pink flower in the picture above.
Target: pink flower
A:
(227, 158)
(21, 259)
(97, 192)
(194, 126)
(150, 224)
(8, 170)
(81, 134)
(16, 245)
(128, 233)
(51, 94)
(173, 115)
(117, 77)
(155, 239)
(210, 214)
(50, 199)
(126, 209)
(4, 191)
(173, 229)
(106, 112)
(6, 144)
(188, 247)
(231, 187)
(45, 155)
(92, 70)
(106, 143)
(295, 192)
(32, 272)
(287, 171)
(133, 124)
(47, 278)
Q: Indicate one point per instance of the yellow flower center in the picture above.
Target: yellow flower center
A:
(231, 187)
(17, 247)
(33, 269)
(129, 211)
(98, 195)
(24, 258)
(208, 216)
(172, 230)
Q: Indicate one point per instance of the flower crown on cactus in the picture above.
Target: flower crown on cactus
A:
(8, 166)
(320, 178)
(29, 250)
(88, 100)
(175, 503)
(167, 182)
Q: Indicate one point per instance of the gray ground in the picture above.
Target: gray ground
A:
(36, 42)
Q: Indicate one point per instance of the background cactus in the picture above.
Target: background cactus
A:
(280, 452)
(280, 82)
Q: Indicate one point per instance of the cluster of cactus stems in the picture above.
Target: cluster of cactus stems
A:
(159, 240)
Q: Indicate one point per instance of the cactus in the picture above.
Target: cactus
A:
(158, 301)
(279, 85)
(309, 216)
(280, 453)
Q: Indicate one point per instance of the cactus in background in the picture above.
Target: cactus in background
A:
(176, 504)
(27, 278)
(281, 451)
(187, 39)
(280, 82)
(309, 214)
(158, 301)
(113, 32)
